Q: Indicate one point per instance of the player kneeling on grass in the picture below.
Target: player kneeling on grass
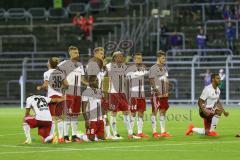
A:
(210, 108)
(42, 119)
(92, 110)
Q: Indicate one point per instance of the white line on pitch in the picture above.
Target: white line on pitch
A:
(3, 135)
(121, 150)
(105, 148)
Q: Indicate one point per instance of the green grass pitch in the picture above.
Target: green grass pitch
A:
(194, 147)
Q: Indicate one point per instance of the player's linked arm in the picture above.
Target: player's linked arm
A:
(219, 108)
(27, 112)
(85, 114)
(152, 84)
(57, 100)
(84, 80)
(202, 106)
(84, 110)
(43, 86)
(64, 84)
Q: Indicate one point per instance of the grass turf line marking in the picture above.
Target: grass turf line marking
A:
(122, 150)
(4, 135)
(105, 148)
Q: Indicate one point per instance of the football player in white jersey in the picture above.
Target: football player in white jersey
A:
(158, 76)
(136, 94)
(74, 73)
(54, 83)
(41, 118)
(95, 67)
(117, 93)
(92, 110)
(210, 108)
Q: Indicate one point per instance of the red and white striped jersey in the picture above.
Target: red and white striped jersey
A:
(135, 80)
(160, 76)
(73, 72)
(116, 74)
(54, 78)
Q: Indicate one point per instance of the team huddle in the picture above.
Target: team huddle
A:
(99, 91)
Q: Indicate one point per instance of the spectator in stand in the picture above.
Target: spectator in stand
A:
(89, 27)
(207, 77)
(196, 10)
(237, 11)
(175, 42)
(213, 9)
(163, 36)
(227, 13)
(86, 25)
(230, 35)
(76, 22)
(222, 85)
(201, 41)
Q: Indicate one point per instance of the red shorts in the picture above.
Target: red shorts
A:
(73, 105)
(138, 105)
(56, 109)
(159, 103)
(44, 127)
(96, 128)
(118, 102)
(207, 122)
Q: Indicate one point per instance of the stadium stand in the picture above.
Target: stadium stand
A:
(117, 21)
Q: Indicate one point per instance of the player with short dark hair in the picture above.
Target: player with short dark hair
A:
(210, 108)
(158, 76)
(42, 118)
(93, 111)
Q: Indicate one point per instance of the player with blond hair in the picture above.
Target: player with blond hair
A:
(74, 72)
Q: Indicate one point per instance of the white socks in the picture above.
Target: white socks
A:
(214, 123)
(113, 122)
(52, 128)
(126, 119)
(154, 123)
(26, 129)
(132, 121)
(162, 123)
(140, 124)
(107, 128)
(74, 125)
(199, 130)
(48, 139)
(66, 125)
(60, 128)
